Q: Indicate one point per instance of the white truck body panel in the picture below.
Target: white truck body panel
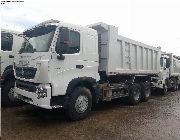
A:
(121, 55)
(17, 41)
(175, 68)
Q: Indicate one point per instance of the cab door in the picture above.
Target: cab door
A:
(69, 63)
(7, 55)
(164, 68)
(71, 49)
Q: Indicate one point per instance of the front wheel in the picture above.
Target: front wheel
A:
(8, 98)
(145, 91)
(80, 103)
(175, 87)
(164, 90)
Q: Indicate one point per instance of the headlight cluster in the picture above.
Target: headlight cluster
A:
(160, 82)
(41, 92)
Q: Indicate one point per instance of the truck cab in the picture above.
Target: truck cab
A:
(165, 66)
(164, 72)
(168, 78)
(10, 44)
(54, 58)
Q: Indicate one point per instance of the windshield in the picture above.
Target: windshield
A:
(38, 40)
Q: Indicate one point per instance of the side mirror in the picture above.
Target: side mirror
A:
(61, 57)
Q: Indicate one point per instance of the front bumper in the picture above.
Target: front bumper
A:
(31, 97)
(155, 85)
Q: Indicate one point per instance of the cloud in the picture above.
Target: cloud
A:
(24, 23)
(152, 22)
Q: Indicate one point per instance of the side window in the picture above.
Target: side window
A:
(6, 41)
(68, 42)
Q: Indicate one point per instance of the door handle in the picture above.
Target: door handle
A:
(79, 66)
(11, 56)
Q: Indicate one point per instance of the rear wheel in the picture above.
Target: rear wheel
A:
(145, 91)
(134, 94)
(80, 103)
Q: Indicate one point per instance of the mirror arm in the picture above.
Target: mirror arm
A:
(61, 57)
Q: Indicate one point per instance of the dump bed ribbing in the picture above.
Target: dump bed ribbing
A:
(121, 55)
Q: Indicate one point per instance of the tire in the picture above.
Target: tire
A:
(145, 92)
(134, 94)
(80, 103)
(7, 95)
(164, 90)
(175, 87)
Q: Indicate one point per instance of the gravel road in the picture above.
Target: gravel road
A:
(157, 119)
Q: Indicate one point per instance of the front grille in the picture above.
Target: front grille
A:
(25, 72)
(31, 87)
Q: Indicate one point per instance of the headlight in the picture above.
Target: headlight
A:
(41, 92)
(160, 82)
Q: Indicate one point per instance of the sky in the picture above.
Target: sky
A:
(153, 22)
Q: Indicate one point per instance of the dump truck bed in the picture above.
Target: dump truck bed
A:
(121, 55)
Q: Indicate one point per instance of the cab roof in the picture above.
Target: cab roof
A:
(58, 23)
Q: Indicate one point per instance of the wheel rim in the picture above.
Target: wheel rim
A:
(11, 94)
(165, 89)
(176, 86)
(148, 92)
(81, 104)
(136, 94)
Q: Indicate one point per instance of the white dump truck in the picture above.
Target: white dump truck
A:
(10, 44)
(169, 75)
(62, 65)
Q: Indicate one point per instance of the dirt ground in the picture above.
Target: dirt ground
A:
(157, 119)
